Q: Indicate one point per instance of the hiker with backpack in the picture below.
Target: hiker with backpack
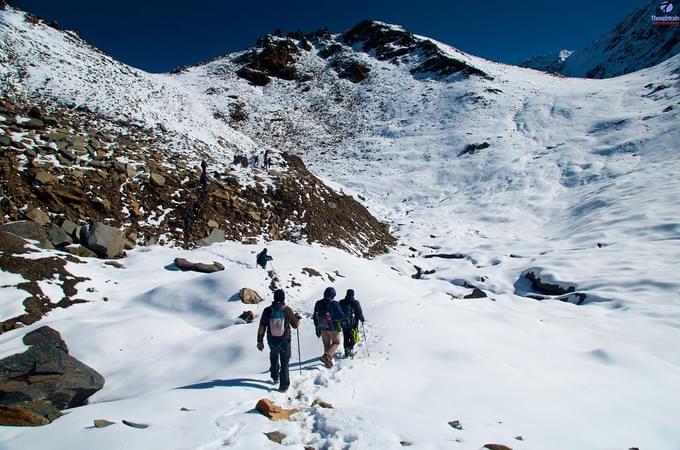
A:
(276, 321)
(262, 258)
(351, 308)
(328, 318)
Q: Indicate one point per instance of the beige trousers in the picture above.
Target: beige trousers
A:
(331, 342)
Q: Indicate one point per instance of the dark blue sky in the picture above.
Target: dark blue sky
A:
(159, 36)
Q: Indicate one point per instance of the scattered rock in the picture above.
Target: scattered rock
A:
(456, 424)
(519, 438)
(59, 237)
(273, 411)
(275, 436)
(476, 293)
(311, 272)
(497, 447)
(135, 424)
(30, 231)
(106, 241)
(38, 216)
(322, 404)
(249, 296)
(247, 316)
(471, 149)
(405, 443)
(44, 177)
(157, 179)
(79, 250)
(102, 423)
(115, 264)
(213, 224)
(547, 288)
(185, 265)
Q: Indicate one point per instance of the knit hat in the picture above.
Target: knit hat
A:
(329, 293)
(350, 294)
(279, 296)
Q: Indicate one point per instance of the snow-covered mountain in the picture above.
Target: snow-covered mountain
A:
(520, 184)
(550, 62)
(635, 43)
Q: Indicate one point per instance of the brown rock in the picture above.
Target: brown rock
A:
(322, 404)
(247, 316)
(157, 179)
(273, 411)
(497, 447)
(38, 216)
(79, 250)
(249, 296)
(212, 224)
(275, 436)
(19, 416)
(44, 177)
(184, 264)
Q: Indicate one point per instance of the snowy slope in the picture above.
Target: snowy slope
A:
(578, 185)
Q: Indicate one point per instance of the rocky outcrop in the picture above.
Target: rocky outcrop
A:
(393, 43)
(185, 265)
(273, 57)
(120, 180)
(44, 377)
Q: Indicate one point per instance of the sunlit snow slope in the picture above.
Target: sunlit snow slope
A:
(575, 181)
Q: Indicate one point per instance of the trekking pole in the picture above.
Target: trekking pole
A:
(363, 327)
(299, 354)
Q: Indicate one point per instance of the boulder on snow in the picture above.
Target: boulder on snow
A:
(21, 416)
(497, 447)
(79, 250)
(249, 296)
(321, 404)
(59, 237)
(30, 231)
(275, 436)
(273, 411)
(45, 373)
(106, 241)
(184, 264)
(476, 293)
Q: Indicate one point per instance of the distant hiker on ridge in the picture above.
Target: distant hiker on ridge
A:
(327, 319)
(263, 258)
(204, 174)
(276, 321)
(351, 308)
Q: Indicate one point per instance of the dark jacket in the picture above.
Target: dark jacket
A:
(291, 320)
(353, 313)
(337, 316)
(262, 258)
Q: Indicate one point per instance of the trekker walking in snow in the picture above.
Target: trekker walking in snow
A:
(351, 308)
(263, 258)
(204, 175)
(275, 322)
(327, 319)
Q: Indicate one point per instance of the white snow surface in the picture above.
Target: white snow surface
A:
(579, 184)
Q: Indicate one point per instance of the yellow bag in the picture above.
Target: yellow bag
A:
(356, 335)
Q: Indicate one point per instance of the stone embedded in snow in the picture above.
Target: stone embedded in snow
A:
(275, 436)
(496, 447)
(456, 424)
(249, 296)
(198, 267)
(38, 216)
(273, 411)
(105, 240)
(102, 423)
(322, 404)
(157, 179)
(247, 316)
(476, 293)
(135, 424)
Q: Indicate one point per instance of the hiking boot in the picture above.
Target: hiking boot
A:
(283, 389)
(326, 361)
